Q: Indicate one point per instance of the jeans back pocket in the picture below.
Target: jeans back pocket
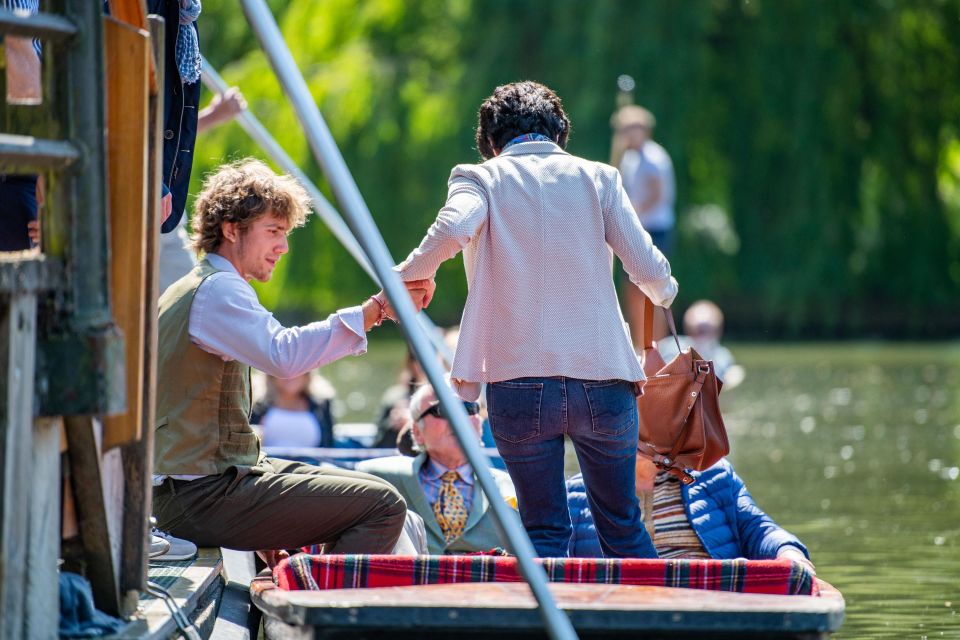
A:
(514, 409)
(613, 406)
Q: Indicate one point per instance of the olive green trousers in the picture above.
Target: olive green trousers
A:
(279, 504)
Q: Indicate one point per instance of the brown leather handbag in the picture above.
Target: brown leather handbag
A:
(680, 423)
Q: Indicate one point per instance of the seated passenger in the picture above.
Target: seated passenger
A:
(715, 517)
(439, 483)
(703, 326)
(295, 412)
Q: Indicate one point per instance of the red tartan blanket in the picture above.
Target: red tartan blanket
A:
(777, 577)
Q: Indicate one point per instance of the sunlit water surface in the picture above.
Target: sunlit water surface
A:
(853, 447)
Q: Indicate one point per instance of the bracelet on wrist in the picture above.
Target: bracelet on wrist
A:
(383, 310)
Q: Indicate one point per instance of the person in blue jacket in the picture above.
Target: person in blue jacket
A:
(715, 517)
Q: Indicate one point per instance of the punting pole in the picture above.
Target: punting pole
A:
(330, 216)
(358, 217)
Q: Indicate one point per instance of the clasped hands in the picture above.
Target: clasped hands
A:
(421, 293)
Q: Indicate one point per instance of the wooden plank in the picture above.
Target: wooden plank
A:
(92, 516)
(17, 351)
(138, 456)
(42, 579)
(237, 618)
(134, 13)
(127, 58)
(191, 590)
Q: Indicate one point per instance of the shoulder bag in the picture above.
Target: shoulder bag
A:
(680, 423)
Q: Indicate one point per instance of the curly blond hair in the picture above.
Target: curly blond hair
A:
(242, 192)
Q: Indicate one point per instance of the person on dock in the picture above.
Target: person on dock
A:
(439, 484)
(715, 517)
(214, 486)
(176, 253)
(542, 326)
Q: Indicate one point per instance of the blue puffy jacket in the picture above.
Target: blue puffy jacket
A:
(720, 509)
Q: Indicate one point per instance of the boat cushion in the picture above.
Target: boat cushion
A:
(305, 571)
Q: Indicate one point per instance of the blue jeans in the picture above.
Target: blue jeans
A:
(529, 417)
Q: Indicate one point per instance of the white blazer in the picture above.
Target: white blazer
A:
(537, 226)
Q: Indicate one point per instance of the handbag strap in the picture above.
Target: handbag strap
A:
(696, 390)
(648, 323)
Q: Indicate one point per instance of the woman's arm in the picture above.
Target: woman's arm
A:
(647, 267)
(457, 223)
(761, 538)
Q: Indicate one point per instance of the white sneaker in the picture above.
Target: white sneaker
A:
(177, 548)
(158, 545)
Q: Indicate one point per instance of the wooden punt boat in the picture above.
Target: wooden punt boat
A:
(508, 610)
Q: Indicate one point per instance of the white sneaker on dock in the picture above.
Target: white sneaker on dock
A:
(178, 549)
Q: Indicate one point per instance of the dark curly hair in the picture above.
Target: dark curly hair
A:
(518, 108)
(242, 192)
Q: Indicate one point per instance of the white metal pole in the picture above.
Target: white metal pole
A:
(330, 216)
(358, 216)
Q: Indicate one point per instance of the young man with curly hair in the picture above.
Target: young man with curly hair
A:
(542, 326)
(214, 486)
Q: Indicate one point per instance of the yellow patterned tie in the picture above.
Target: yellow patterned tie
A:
(449, 508)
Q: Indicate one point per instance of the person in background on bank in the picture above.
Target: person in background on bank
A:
(439, 484)
(213, 485)
(648, 177)
(542, 325)
(703, 327)
(295, 412)
(715, 517)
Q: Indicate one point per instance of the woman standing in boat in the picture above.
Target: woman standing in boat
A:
(542, 325)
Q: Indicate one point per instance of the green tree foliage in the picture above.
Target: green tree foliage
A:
(816, 143)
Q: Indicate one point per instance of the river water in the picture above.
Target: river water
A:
(853, 447)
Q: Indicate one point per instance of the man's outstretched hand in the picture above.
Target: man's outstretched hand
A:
(421, 293)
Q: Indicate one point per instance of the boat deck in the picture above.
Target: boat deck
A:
(508, 610)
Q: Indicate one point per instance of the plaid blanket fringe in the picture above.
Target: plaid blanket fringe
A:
(317, 572)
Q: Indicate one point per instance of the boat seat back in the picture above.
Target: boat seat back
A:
(304, 571)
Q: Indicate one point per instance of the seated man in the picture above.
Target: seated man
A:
(440, 484)
(714, 517)
(214, 485)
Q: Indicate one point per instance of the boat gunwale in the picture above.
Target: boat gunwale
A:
(513, 608)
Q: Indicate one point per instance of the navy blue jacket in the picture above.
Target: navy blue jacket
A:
(720, 509)
(180, 110)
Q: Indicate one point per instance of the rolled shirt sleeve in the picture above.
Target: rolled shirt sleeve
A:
(227, 320)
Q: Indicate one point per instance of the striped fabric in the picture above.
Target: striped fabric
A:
(673, 536)
(24, 7)
(311, 572)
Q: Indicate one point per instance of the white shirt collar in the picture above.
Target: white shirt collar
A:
(436, 470)
(221, 263)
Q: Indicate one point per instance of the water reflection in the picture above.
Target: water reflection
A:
(856, 449)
